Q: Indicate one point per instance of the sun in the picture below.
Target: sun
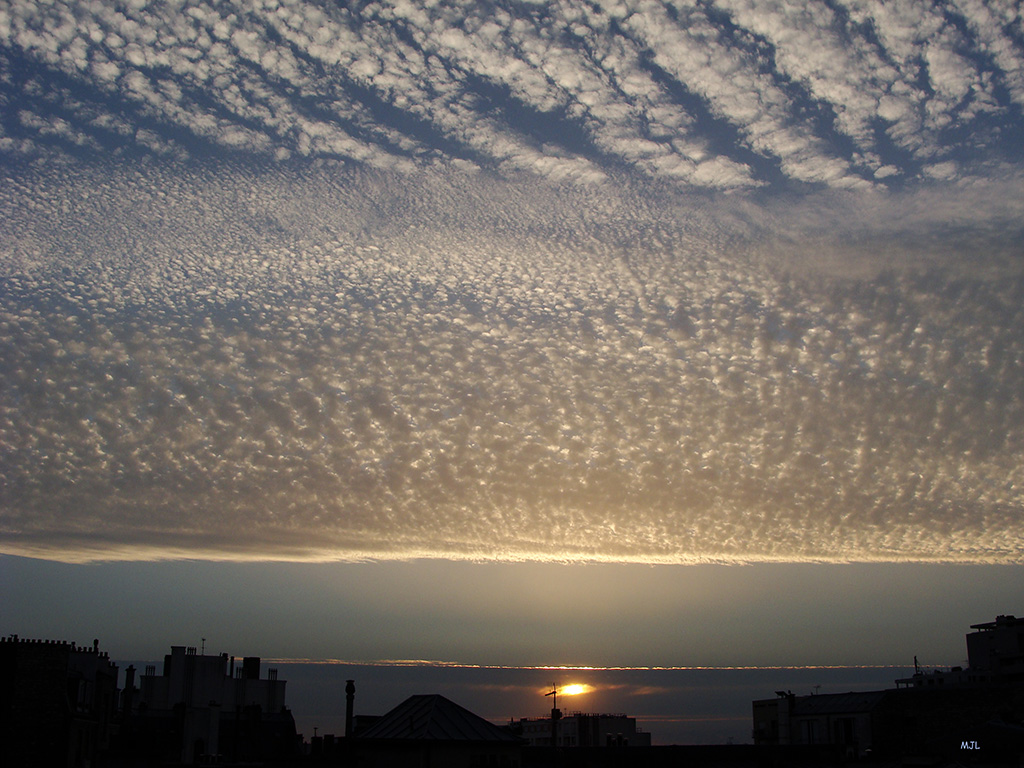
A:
(575, 688)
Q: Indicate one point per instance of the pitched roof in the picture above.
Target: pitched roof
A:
(437, 718)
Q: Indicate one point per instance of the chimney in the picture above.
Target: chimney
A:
(350, 695)
(129, 689)
(251, 667)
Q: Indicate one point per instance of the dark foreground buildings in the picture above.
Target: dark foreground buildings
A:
(58, 703)
(964, 715)
(430, 730)
(60, 707)
(205, 709)
(581, 729)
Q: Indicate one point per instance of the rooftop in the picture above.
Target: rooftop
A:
(437, 718)
(837, 703)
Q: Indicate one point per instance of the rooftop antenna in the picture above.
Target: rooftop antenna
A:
(555, 714)
(203, 652)
(554, 694)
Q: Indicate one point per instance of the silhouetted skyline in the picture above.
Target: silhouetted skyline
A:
(527, 334)
(195, 703)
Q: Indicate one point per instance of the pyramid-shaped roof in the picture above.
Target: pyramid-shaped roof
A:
(436, 718)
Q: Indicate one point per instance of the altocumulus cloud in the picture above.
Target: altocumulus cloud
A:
(722, 95)
(616, 281)
(342, 364)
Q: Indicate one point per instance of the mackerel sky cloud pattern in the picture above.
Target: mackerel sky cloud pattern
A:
(654, 282)
(720, 95)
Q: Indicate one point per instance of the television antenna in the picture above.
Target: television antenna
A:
(553, 693)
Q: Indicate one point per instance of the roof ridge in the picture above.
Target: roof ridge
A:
(441, 720)
(430, 716)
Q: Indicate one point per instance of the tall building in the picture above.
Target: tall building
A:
(58, 702)
(977, 712)
(995, 656)
(995, 651)
(208, 706)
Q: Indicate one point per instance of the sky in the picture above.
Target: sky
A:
(477, 319)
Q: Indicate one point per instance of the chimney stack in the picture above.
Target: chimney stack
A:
(129, 689)
(350, 695)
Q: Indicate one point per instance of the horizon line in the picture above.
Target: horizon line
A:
(441, 664)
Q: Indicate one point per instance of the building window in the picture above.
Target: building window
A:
(810, 732)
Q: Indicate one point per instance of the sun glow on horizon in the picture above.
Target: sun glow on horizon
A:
(575, 689)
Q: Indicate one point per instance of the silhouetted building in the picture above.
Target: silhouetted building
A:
(975, 712)
(995, 656)
(362, 723)
(207, 706)
(58, 702)
(846, 720)
(995, 653)
(432, 730)
(579, 729)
